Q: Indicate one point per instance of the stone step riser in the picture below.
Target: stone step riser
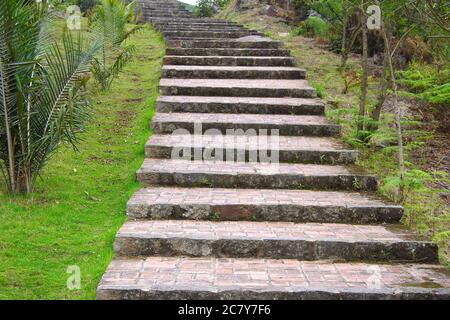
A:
(237, 92)
(257, 181)
(230, 61)
(273, 213)
(233, 74)
(228, 52)
(189, 21)
(213, 28)
(183, 26)
(304, 250)
(245, 108)
(208, 34)
(253, 294)
(152, 13)
(151, 16)
(318, 130)
(224, 44)
(164, 10)
(285, 156)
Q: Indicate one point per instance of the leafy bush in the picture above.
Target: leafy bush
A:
(427, 82)
(110, 20)
(313, 27)
(86, 5)
(205, 8)
(42, 84)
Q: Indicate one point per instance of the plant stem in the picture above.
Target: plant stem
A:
(398, 124)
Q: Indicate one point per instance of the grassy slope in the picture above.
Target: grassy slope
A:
(80, 201)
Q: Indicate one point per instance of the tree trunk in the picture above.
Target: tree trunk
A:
(376, 114)
(364, 80)
(344, 52)
(398, 115)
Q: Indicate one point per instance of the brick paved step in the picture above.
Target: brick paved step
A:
(163, 11)
(151, 15)
(231, 72)
(187, 24)
(166, 123)
(203, 28)
(230, 61)
(226, 52)
(209, 34)
(288, 149)
(261, 205)
(190, 21)
(160, 6)
(159, 278)
(277, 240)
(163, 7)
(252, 105)
(251, 175)
(237, 88)
(224, 43)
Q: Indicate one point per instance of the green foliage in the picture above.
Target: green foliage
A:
(320, 90)
(86, 5)
(205, 8)
(80, 199)
(41, 91)
(109, 23)
(427, 82)
(313, 27)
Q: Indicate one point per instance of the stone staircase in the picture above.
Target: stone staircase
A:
(218, 218)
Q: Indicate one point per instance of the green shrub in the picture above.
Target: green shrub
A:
(427, 82)
(86, 5)
(205, 8)
(313, 27)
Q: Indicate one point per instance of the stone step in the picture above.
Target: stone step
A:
(163, 7)
(231, 72)
(224, 43)
(204, 104)
(162, 10)
(151, 17)
(300, 206)
(252, 175)
(226, 52)
(190, 21)
(203, 28)
(159, 278)
(287, 125)
(276, 240)
(241, 148)
(209, 34)
(230, 61)
(238, 88)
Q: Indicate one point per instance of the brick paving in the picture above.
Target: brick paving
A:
(220, 196)
(263, 275)
(236, 83)
(259, 230)
(238, 168)
(209, 229)
(252, 142)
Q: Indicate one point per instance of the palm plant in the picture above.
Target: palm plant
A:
(41, 79)
(110, 24)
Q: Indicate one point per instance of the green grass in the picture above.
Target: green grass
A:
(79, 204)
